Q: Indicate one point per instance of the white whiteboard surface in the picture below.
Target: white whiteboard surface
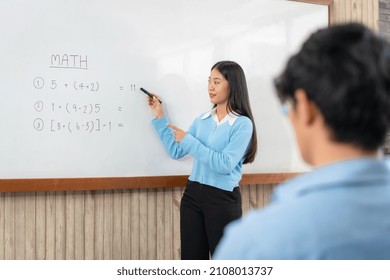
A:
(71, 70)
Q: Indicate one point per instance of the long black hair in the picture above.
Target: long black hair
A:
(238, 100)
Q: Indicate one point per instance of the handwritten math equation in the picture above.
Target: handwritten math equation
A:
(74, 86)
(77, 86)
(70, 108)
(96, 125)
(90, 126)
(61, 110)
(74, 105)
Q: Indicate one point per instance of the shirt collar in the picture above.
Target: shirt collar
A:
(230, 117)
(353, 171)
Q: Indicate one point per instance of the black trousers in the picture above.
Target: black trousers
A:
(204, 212)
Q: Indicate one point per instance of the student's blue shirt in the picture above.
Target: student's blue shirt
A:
(339, 211)
(218, 149)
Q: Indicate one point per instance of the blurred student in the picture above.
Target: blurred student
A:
(220, 141)
(337, 93)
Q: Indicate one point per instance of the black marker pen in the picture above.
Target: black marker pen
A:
(149, 94)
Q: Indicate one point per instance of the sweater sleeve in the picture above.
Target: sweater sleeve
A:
(226, 160)
(171, 146)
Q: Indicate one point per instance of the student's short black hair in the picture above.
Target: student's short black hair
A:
(345, 71)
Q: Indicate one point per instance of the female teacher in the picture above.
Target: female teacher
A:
(220, 141)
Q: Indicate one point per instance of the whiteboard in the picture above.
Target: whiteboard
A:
(71, 72)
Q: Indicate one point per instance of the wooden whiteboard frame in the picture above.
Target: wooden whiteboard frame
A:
(110, 183)
(318, 2)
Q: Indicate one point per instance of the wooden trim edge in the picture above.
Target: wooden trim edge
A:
(111, 183)
(319, 2)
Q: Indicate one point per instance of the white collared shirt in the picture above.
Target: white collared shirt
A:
(230, 117)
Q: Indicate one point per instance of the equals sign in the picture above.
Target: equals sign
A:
(120, 109)
(121, 88)
(120, 125)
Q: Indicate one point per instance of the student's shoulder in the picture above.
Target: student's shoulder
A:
(267, 233)
(255, 236)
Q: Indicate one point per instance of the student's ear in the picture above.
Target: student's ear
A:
(306, 110)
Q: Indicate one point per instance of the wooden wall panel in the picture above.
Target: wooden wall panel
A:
(20, 225)
(117, 237)
(9, 226)
(98, 232)
(108, 224)
(114, 224)
(160, 224)
(89, 225)
(364, 11)
(134, 225)
(60, 226)
(177, 194)
(40, 225)
(50, 226)
(152, 221)
(143, 224)
(79, 225)
(2, 226)
(125, 218)
(70, 225)
(30, 226)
